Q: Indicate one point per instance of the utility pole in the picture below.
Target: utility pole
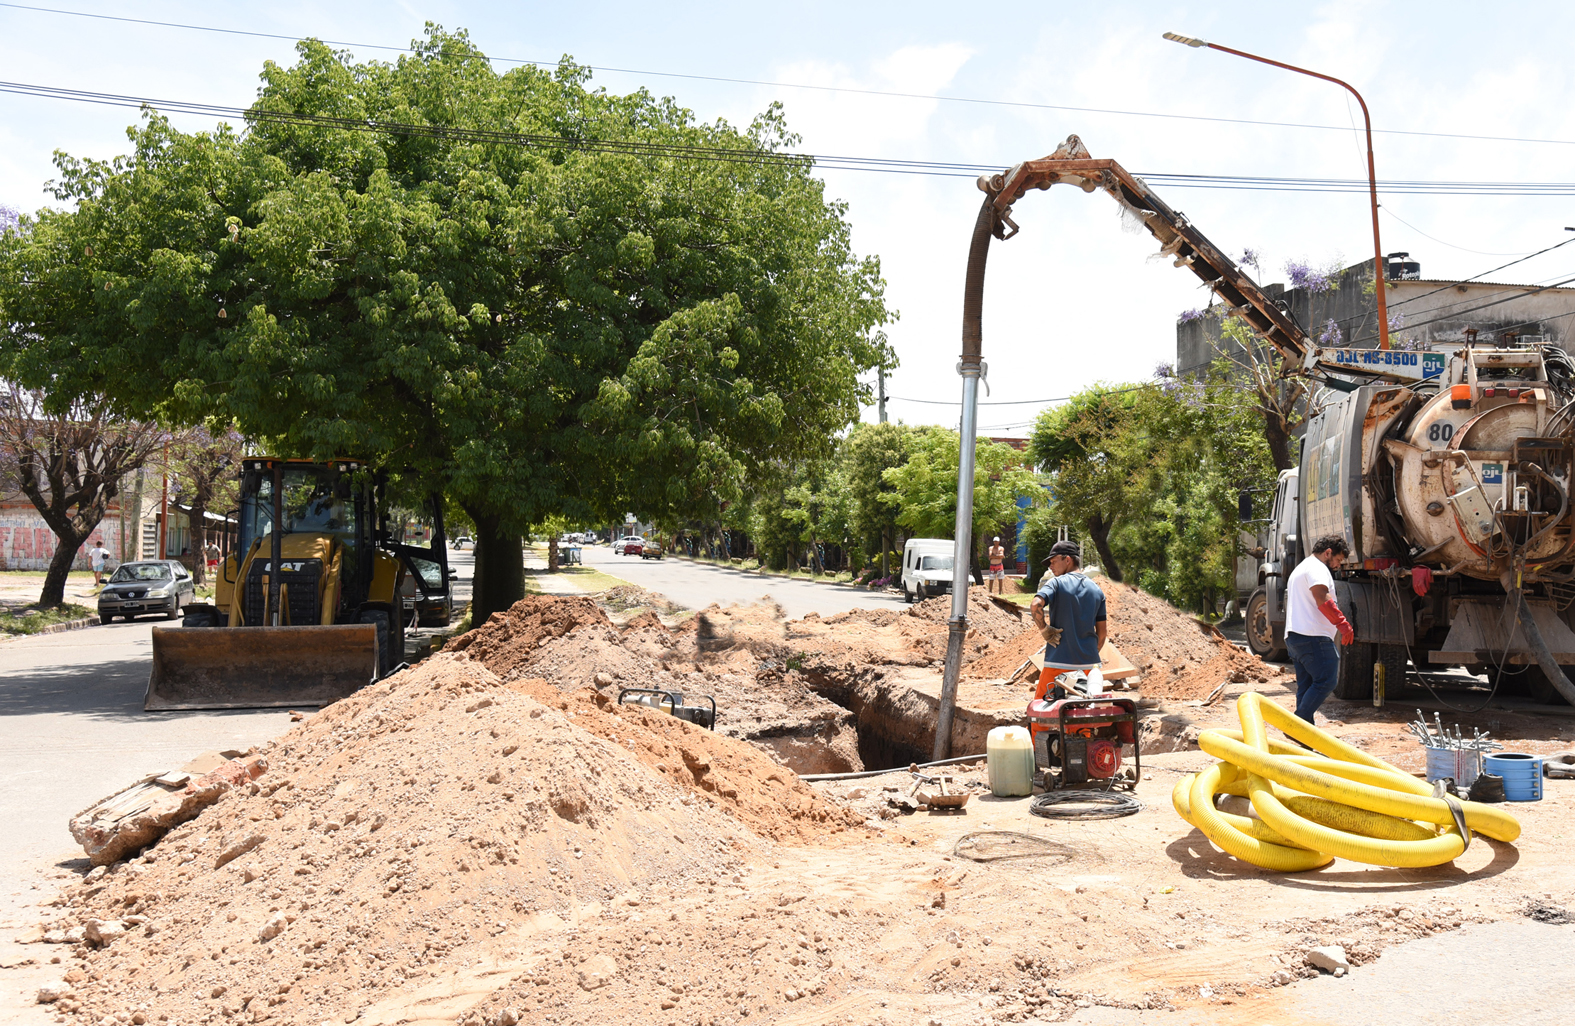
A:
(164, 506)
(881, 377)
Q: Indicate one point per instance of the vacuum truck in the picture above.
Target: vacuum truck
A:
(1453, 491)
(1447, 471)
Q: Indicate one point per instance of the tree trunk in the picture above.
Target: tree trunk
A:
(66, 547)
(552, 554)
(500, 568)
(199, 544)
(1277, 433)
(1099, 531)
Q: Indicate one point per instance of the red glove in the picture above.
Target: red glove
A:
(1331, 612)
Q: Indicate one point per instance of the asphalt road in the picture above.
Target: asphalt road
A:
(697, 585)
(72, 731)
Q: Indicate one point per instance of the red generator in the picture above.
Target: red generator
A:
(1084, 738)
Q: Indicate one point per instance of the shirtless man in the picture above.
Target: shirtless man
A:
(995, 578)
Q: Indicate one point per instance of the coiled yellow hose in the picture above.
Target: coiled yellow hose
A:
(1312, 809)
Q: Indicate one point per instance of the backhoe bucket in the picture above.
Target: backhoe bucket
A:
(259, 667)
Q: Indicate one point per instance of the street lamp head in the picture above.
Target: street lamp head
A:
(1188, 40)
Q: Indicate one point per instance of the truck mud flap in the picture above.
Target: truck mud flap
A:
(259, 667)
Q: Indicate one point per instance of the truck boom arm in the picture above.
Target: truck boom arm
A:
(1178, 238)
(1187, 247)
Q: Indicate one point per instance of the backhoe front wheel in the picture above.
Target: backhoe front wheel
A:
(379, 618)
(390, 639)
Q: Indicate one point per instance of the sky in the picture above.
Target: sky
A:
(1458, 93)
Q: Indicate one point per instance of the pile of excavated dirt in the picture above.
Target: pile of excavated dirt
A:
(400, 829)
(734, 655)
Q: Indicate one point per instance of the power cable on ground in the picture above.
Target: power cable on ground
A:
(1085, 805)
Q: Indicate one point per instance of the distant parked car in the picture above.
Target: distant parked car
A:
(652, 549)
(464, 541)
(629, 545)
(146, 586)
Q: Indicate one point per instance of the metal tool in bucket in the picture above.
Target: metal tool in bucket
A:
(1455, 756)
(672, 703)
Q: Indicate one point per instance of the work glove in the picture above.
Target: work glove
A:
(1052, 635)
(1331, 612)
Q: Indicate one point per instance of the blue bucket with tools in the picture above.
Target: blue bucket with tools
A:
(1522, 775)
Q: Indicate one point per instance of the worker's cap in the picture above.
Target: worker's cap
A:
(996, 538)
(1066, 548)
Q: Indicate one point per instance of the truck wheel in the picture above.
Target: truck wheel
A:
(1265, 639)
(1540, 689)
(1395, 662)
(1354, 683)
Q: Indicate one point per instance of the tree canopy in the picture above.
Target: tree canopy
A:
(1152, 475)
(536, 297)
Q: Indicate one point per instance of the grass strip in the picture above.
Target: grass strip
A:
(32, 619)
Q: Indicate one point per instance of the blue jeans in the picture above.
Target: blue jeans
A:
(1317, 662)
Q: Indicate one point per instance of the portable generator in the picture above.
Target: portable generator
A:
(1080, 740)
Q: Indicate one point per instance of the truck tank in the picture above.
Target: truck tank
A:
(1465, 475)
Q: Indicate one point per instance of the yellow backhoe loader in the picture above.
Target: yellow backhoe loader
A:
(327, 621)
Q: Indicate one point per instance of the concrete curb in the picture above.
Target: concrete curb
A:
(56, 628)
(785, 577)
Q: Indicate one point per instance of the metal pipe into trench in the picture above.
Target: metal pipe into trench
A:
(969, 367)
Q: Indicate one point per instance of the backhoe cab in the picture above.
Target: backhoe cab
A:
(331, 619)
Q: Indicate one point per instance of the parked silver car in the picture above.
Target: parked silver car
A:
(147, 586)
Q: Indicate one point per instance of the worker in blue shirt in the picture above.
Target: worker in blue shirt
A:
(1069, 611)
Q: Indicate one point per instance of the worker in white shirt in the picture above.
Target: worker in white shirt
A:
(1312, 623)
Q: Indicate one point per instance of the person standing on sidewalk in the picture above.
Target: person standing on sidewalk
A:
(1312, 623)
(97, 555)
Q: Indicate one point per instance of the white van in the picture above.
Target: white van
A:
(926, 567)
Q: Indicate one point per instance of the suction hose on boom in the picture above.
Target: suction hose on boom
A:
(1342, 803)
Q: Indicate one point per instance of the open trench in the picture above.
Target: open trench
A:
(894, 709)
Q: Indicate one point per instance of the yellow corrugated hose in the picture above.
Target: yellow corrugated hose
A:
(1312, 809)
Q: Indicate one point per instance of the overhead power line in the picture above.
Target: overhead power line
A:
(888, 165)
(891, 94)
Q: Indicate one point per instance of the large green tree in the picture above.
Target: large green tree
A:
(925, 488)
(867, 453)
(533, 296)
(1152, 475)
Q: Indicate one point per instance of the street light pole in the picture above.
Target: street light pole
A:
(1379, 274)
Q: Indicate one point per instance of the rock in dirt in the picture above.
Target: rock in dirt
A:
(1330, 958)
(141, 814)
(98, 932)
(49, 993)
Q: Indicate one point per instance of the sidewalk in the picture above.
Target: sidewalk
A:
(567, 581)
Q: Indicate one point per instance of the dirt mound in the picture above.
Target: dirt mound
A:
(403, 826)
(735, 776)
(625, 597)
(508, 639)
(1177, 656)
